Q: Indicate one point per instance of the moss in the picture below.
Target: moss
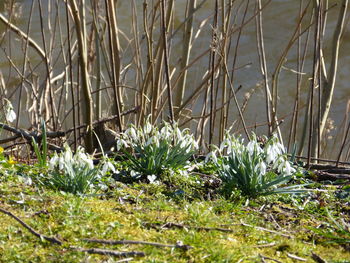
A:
(124, 211)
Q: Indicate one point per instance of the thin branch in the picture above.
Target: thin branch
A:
(135, 242)
(107, 252)
(19, 32)
(31, 230)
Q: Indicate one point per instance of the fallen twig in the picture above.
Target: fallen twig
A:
(267, 230)
(124, 260)
(87, 250)
(266, 245)
(326, 176)
(295, 257)
(265, 257)
(31, 230)
(181, 226)
(135, 242)
(317, 258)
(108, 252)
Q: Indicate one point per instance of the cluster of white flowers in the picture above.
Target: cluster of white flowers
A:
(270, 156)
(79, 160)
(150, 135)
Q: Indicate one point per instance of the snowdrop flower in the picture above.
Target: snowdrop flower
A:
(165, 132)
(287, 168)
(147, 128)
(184, 144)
(272, 153)
(83, 159)
(261, 168)
(121, 143)
(132, 133)
(152, 179)
(253, 147)
(10, 113)
(211, 156)
(195, 144)
(53, 161)
(61, 163)
(226, 143)
(108, 166)
(153, 141)
(178, 134)
(68, 155)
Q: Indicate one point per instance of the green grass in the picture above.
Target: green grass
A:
(123, 213)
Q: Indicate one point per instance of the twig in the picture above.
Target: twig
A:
(322, 160)
(135, 242)
(295, 257)
(317, 258)
(31, 230)
(265, 257)
(124, 260)
(54, 240)
(29, 135)
(267, 230)
(19, 32)
(108, 252)
(323, 176)
(181, 226)
(266, 245)
(166, 61)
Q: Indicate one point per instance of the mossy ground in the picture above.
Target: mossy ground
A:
(138, 211)
(126, 212)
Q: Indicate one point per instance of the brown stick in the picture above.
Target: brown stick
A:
(181, 226)
(108, 252)
(54, 240)
(19, 32)
(166, 62)
(31, 230)
(135, 242)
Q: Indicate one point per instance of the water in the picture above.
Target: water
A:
(279, 20)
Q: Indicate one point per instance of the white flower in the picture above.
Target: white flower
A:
(147, 128)
(211, 156)
(83, 159)
(253, 147)
(272, 153)
(153, 141)
(226, 143)
(132, 133)
(261, 168)
(53, 161)
(61, 163)
(68, 155)
(121, 143)
(11, 115)
(183, 144)
(108, 166)
(288, 169)
(165, 132)
(152, 179)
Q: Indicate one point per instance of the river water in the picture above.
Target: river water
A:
(279, 22)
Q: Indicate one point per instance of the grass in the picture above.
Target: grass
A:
(123, 213)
